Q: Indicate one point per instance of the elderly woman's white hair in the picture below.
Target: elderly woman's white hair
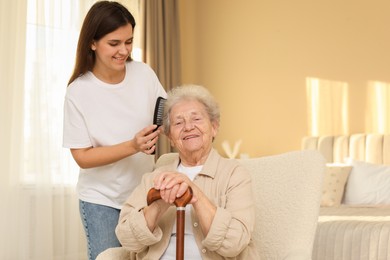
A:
(190, 92)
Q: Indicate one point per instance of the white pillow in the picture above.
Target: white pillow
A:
(368, 183)
(333, 185)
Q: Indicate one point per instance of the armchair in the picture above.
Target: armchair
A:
(287, 189)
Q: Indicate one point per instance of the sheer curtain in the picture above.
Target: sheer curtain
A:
(40, 214)
(39, 218)
(12, 28)
(327, 107)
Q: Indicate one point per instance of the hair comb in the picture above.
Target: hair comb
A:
(158, 113)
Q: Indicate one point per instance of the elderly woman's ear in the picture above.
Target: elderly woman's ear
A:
(162, 129)
(215, 128)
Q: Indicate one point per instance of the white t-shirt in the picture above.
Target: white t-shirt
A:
(191, 251)
(100, 114)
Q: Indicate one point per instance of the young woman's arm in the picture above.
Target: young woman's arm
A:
(144, 141)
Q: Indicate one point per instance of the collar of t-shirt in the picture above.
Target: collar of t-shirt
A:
(191, 172)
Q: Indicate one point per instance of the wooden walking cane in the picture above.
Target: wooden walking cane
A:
(180, 204)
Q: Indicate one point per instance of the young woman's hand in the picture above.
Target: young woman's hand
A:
(146, 139)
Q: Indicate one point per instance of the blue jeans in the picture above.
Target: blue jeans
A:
(99, 224)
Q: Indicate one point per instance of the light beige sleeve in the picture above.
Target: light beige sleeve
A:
(233, 224)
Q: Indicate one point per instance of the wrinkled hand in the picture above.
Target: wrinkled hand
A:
(146, 139)
(173, 185)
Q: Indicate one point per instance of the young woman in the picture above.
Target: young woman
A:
(108, 115)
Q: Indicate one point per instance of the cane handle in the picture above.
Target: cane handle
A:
(182, 201)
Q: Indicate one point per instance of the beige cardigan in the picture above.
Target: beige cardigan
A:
(227, 184)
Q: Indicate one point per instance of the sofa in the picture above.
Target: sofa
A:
(287, 191)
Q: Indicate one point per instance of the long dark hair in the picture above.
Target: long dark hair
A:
(103, 17)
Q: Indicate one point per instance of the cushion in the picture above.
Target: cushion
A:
(368, 183)
(335, 178)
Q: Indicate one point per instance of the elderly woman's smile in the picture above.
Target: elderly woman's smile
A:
(190, 136)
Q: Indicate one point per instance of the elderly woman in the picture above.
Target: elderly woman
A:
(221, 220)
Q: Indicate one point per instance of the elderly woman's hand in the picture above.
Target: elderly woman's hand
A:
(173, 185)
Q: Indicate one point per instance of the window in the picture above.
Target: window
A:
(327, 107)
(378, 110)
(52, 35)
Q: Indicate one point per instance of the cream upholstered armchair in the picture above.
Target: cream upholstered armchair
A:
(287, 190)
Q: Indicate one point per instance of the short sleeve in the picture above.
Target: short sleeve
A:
(75, 130)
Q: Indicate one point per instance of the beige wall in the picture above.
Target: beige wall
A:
(255, 55)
